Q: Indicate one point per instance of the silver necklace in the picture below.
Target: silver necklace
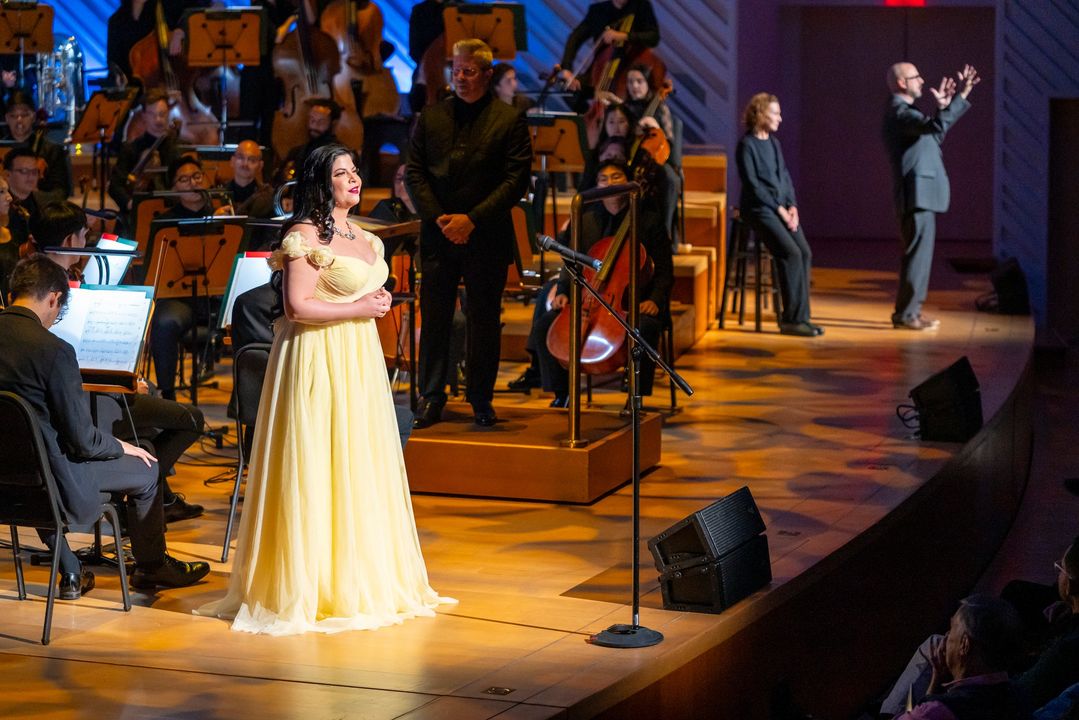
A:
(347, 234)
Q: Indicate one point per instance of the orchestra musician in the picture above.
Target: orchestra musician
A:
(469, 163)
(599, 26)
(9, 247)
(425, 26)
(21, 117)
(23, 173)
(249, 195)
(159, 142)
(134, 20)
(601, 220)
(322, 114)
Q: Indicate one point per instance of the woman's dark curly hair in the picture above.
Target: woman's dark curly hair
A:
(312, 200)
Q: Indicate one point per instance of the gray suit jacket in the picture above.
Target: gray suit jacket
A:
(913, 140)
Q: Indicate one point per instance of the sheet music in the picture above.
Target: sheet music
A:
(106, 326)
(109, 269)
(249, 270)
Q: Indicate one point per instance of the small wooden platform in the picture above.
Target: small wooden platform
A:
(522, 457)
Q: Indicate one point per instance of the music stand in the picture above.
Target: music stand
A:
(559, 144)
(223, 37)
(500, 25)
(99, 123)
(194, 255)
(25, 26)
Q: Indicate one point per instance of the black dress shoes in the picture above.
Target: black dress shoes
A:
(73, 586)
(172, 573)
(802, 329)
(428, 413)
(177, 509)
(560, 401)
(817, 329)
(483, 414)
(529, 379)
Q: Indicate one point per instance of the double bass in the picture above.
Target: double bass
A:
(306, 61)
(150, 62)
(364, 87)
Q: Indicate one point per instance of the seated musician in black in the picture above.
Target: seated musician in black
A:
(249, 195)
(641, 92)
(122, 184)
(23, 173)
(21, 117)
(602, 220)
(170, 426)
(322, 117)
(41, 368)
(175, 317)
(135, 20)
(600, 25)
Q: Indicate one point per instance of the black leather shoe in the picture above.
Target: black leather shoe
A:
(483, 414)
(172, 573)
(178, 509)
(560, 401)
(529, 379)
(428, 412)
(800, 329)
(817, 329)
(73, 586)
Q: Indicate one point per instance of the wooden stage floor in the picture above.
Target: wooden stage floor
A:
(808, 425)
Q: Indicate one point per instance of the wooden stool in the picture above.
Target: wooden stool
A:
(744, 245)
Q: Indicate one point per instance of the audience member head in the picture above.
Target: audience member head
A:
(322, 113)
(324, 183)
(472, 72)
(1068, 576)
(504, 82)
(618, 121)
(762, 114)
(185, 176)
(984, 636)
(155, 112)
(41, 285)
(609, 173)
(20, 114)
(23, 171)
(61, 224)
(246, 163)
(904, 79)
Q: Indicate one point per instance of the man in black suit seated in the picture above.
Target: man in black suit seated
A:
(602, 220)
(250, 196)
(41, 368)
(469, 163)
(21, 117)
(155, 116)
(23, 175)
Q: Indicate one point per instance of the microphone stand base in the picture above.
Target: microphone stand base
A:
(626, 636)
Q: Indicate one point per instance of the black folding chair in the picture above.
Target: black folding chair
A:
(29, 497)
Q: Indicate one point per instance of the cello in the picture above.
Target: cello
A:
(306, 61)
(150, 62)
(364, 87)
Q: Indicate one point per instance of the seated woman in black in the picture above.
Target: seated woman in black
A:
(640, 89)
(769, 206)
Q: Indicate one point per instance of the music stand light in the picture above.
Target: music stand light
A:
(224, 37)
(500, 25)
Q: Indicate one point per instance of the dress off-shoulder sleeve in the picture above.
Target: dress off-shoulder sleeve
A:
(293, 246)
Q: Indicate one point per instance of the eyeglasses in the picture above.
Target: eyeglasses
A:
(194, 177)
(913, 77)
(466, 71)
(1061, 569)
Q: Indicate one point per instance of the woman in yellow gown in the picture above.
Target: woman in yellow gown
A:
(327, 539)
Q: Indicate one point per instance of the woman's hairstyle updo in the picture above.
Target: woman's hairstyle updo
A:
(755, 110)
(312, 200)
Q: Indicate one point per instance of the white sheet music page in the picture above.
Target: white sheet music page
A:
(106, 326)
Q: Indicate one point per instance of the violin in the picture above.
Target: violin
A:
(603, 340)
(306, 61)
(653, 140)
(150, 62)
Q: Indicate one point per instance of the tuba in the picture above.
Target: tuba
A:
(61, 82)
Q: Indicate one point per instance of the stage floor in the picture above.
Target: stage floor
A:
(808, 425)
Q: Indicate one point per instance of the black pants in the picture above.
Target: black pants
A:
(484, 283)
(794, 261)
(554, 377)
(173, 318)
(146, 520)
(919, 231)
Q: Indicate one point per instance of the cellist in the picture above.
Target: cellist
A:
(601, 220)
(600, 25)
(134, 20)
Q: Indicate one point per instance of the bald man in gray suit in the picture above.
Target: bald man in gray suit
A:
(921, 188)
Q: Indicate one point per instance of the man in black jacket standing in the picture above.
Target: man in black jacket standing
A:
(41, 368)
(469, 164)
(921, 188)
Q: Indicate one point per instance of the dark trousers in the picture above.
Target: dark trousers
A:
(484, 283)
(146, 520)
(918, 229)
(172, 319)
(554, 377)
(794, 261)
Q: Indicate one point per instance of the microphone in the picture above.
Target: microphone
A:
(546, 242)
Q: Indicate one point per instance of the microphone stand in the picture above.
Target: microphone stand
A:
(633, 635)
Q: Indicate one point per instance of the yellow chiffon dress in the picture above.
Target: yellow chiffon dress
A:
(327, 538)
